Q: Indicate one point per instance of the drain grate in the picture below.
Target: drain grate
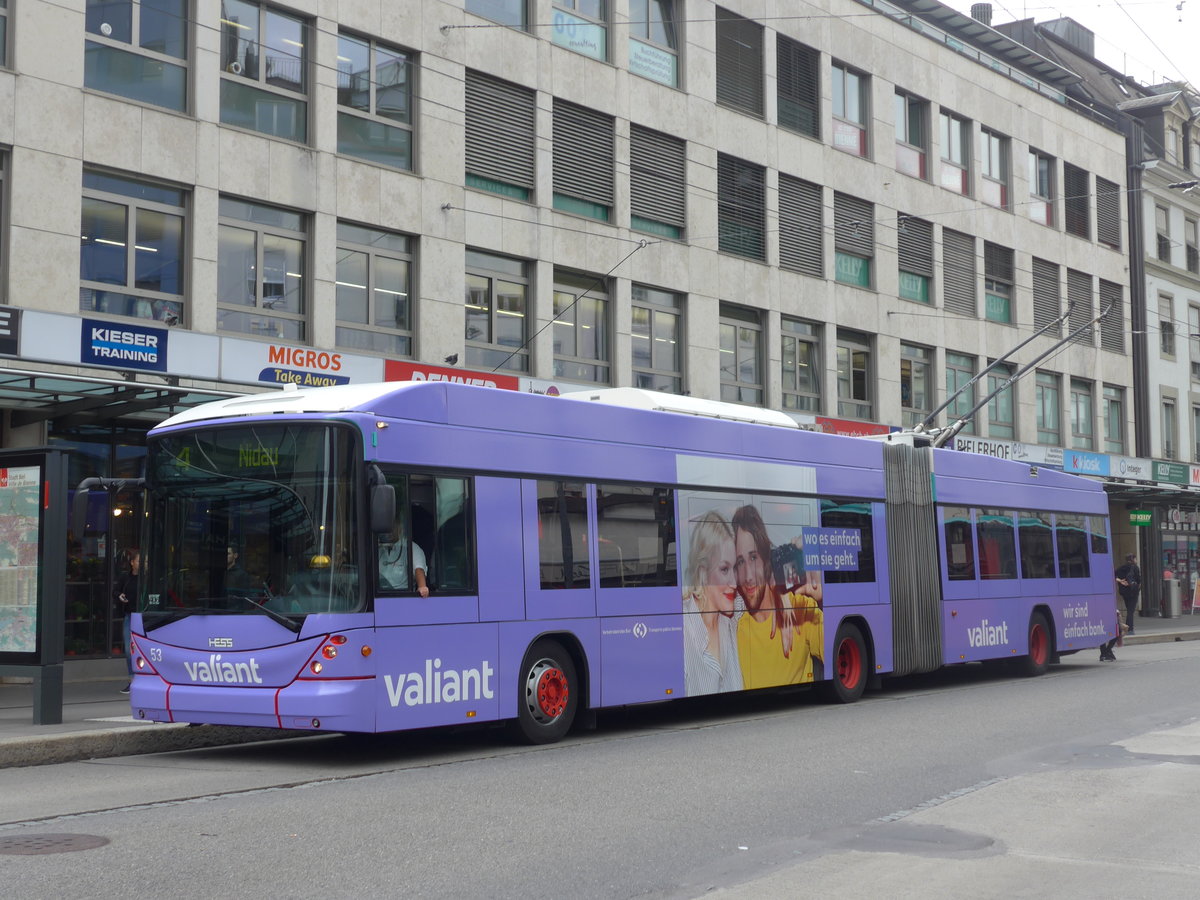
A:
(38, 844)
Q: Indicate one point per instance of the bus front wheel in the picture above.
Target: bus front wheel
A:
(850, 662)
(547, 694)
(1038, 658)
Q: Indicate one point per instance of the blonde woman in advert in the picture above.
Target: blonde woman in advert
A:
(710, 661)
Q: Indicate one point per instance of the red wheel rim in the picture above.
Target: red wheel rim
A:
(849, 663)
(1039, 644)
(552, 692)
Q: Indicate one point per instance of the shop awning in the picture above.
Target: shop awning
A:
(77, 400)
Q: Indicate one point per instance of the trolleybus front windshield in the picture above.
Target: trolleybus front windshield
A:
(252, 519)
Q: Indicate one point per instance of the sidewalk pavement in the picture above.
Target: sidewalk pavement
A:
(97, 721)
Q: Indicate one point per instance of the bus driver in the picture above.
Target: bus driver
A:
(393, 564)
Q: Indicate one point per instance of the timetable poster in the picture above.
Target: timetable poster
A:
(20, 517)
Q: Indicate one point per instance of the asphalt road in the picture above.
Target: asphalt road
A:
(756, 797)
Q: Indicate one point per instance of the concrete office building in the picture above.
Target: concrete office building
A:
(833, 208)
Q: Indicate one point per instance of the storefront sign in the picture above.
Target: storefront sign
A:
(270, 363)
(10, 326)
(1082, 463)
(125, 346)
(1132, 467)
(1173, 473)
(1140, 517)
(1033, 454)
(396, 370)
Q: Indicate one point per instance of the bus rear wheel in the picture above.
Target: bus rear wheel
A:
(547, 694)
(849, 665)
(1038, 658)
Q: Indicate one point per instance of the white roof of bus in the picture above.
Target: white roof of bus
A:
(337, 398)
(637, 398)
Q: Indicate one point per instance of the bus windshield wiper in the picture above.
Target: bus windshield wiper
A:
(283, 620)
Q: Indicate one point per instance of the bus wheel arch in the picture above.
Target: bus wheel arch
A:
(1040, 643)
(851, 662)
(551, 689)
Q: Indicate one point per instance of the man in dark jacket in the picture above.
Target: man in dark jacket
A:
(1129, 583)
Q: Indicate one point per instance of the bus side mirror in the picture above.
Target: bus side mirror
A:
(79, 505)
(383, 508)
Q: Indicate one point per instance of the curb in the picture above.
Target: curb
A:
(1161, 637)
(129, 740)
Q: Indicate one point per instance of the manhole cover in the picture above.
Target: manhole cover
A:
(38, 844)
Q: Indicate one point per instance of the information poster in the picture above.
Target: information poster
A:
(20, 511)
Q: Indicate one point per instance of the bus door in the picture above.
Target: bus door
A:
(560, 573)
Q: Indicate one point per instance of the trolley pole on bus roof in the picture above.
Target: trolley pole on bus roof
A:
(942, 436)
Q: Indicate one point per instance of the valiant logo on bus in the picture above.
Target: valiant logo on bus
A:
(436, 685)
(218, 671)
(988, 635)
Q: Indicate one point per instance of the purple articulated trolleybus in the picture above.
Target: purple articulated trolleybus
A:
(369, 558)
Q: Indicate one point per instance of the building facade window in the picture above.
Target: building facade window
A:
(1170, 429)
(1194, 341)
(657, 183)
(374, 85)
(960, 369)
(654, 40)
(914, 246)
(261, 266)
(801, 364)
(1041, 188)
(1195, 433)
(741, 207)
(1083, 429)
(1048, 407)
(584, 161)
(959, 273)
(997, 282)
(1077, 201)
(1112, 326)
(373, 290)
(581, 328)
(1162, 233)
(798, 81)
(853, 240)
(1114, 419)
(1166, 325)
(506, 12)
(955, 136)
(851, 110)
(1047, 294)
(582, 26)
(1108, 213)
(855, 389)
(916, 384)
(1002, 421)
(264, 70)
(912, 135)
(739, 63)
(497, 312)
(656, 338)
(741, 354)
(994, 165)
(131, 252)
(138, 51)
(3, 33)
(801, 226)
(1079, 294)
(500, 118)
(1192, 243)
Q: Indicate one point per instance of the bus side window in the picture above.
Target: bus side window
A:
(997, 547)
(563, 557)
(635, 535)
(451, 563)
(960, 552)
(1037, 544)
(1072, 540)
